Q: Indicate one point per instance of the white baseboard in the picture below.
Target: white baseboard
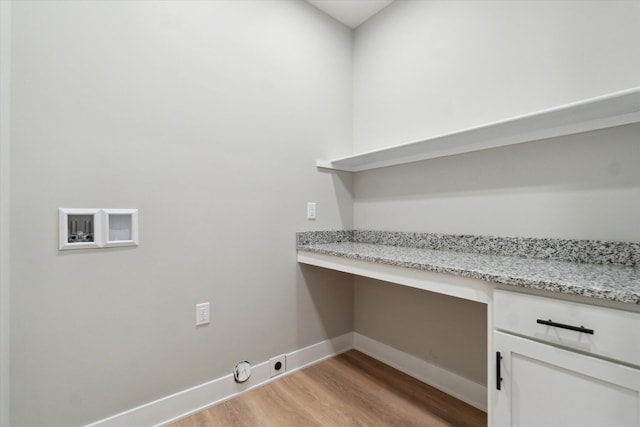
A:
(316, 352)
(449, 382)
(171, 408)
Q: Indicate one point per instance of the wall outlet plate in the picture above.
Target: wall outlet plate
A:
(203, 313)
(311, 210)
(278, 365)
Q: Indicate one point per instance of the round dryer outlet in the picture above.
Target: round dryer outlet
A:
(242, 371)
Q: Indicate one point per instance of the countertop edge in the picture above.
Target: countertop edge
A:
(614, 295)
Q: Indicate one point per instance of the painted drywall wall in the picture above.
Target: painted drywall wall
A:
(208, 118)
(388, 312)
(583, 186)
(5, 209)
(426, 67)
(423, 68)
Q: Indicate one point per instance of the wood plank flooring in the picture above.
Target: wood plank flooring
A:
(350, 389)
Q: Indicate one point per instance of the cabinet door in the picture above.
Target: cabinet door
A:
(543, 385)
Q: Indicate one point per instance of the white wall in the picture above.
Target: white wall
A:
(422, 324)
(5, 208)
(208, 117)
(584, 186)
(426, 67)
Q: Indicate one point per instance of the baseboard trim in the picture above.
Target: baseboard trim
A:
(186, 402)
(449, 382)
(171, 408)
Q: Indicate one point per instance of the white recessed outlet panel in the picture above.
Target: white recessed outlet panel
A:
(78, 228)
(97, 228)
(120, 227)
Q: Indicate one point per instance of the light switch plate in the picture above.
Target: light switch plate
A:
(311, 210)
(202, 313)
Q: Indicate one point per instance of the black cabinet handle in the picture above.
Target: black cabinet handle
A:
(498, 375)
(563, 326)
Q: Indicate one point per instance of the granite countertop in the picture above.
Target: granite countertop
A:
(612, 273)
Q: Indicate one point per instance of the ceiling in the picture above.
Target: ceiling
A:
(351, 12)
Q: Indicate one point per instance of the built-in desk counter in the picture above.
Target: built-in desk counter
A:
(480, 269)
(595, 269)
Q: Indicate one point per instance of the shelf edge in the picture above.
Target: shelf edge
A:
(620, 108)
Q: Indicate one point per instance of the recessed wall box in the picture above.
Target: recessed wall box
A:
(80, 228)
(97, 228)
(120, 227)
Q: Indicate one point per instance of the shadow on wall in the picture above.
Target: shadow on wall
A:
(343, 190)
(592, 160)
(343, 186)
(324, 304)
(443, 330)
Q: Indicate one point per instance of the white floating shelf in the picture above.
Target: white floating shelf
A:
(615, 109)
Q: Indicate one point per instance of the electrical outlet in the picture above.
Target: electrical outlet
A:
(278, 365)
(311, 210)
(202, 313)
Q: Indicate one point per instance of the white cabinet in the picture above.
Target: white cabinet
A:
(548, 375)
(543, 385)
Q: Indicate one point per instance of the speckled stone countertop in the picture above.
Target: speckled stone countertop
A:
(596, 269)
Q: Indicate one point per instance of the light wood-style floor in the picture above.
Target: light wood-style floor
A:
(351, 389)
